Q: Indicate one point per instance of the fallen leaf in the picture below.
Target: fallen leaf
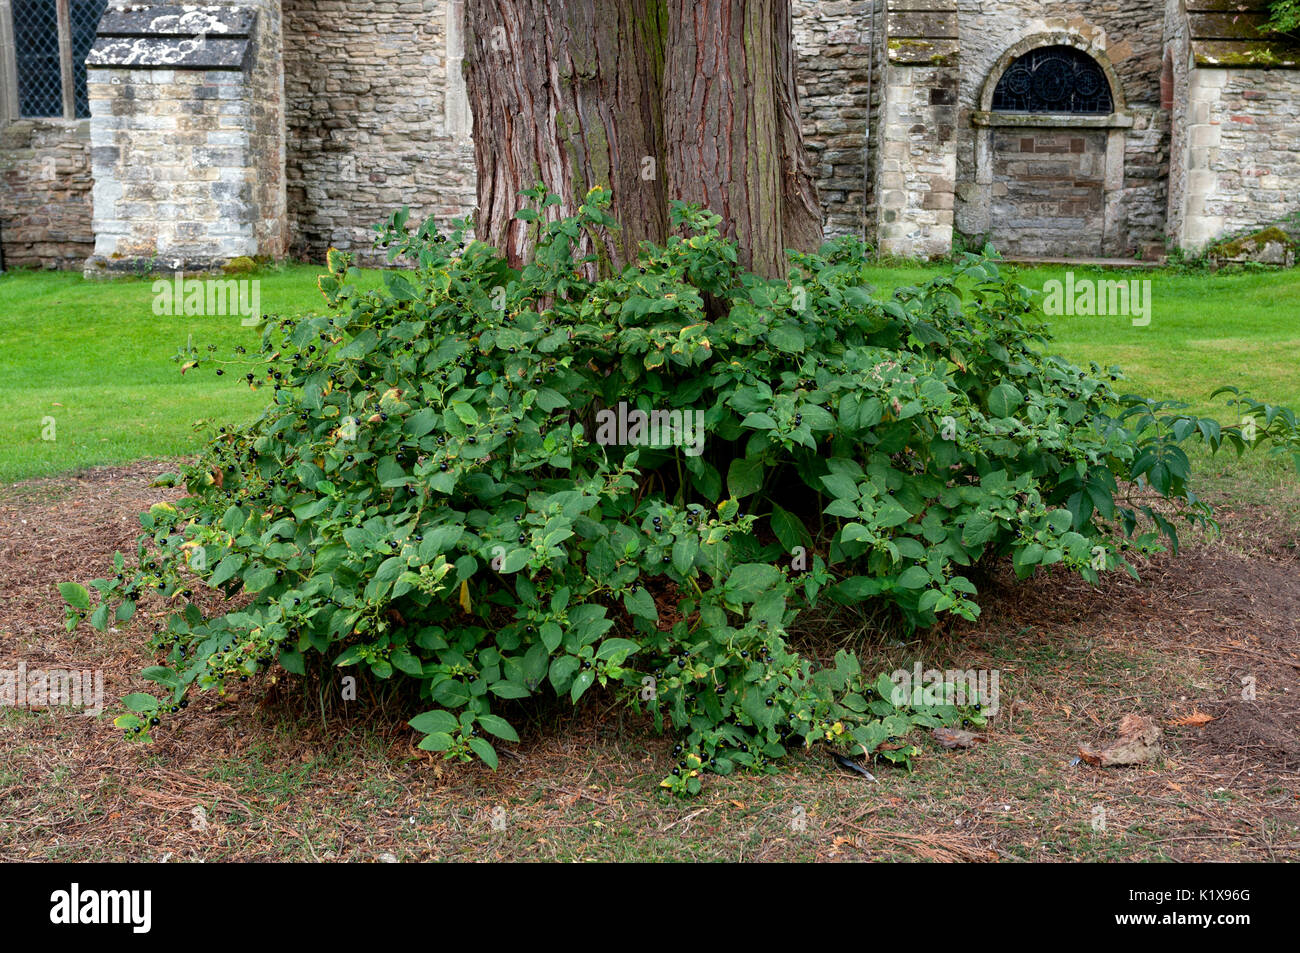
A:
(958, 737)
(1138, 741)
(1197, 719)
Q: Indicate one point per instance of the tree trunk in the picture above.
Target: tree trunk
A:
(733, 125)
(568, 94)
(651, 99)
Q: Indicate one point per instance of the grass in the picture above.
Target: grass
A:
(95, 358)
(1205, 331)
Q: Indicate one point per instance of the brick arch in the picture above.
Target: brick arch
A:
(1039, 40)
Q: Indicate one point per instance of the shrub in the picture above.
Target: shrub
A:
(1284, 16)
(437, 491)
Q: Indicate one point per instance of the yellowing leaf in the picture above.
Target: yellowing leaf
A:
(464, 595)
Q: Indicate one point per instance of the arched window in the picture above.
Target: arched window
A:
(1053, 79)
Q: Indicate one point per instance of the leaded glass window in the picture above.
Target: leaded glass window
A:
(85, 16)
(36, 52)
(46, 34)
(1053, 79)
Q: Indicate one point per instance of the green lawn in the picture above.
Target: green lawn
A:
(1205, 331)
(95, 358)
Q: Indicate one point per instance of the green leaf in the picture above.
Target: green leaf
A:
(582, 683)
(484, 750)
(437, 720)
(789, 529)
(438, 741)
(1004, 399)
(841, 486)
(759, 421)
(640, 603)
(616, 649)
(787, 338)
(516, 560)
(466, 412)
(162, 675)
(744, 477)
(140, 702)
(75, 595)
(684, 551)
(749, 581)
(562, 671)
(499, 727)
(979, 529)
(914, 577)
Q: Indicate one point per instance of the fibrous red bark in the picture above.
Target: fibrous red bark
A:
(651, 99)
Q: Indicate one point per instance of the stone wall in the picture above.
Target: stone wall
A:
(345, 111)
(839, 79)
(916, 131)
(171, 175)
(45, 200)
(368, 125)
(186, 137)
(376, 118)
(1178, 56)
(1049, 192)
(1242, 149)
(1129, 34)
(1236, 145)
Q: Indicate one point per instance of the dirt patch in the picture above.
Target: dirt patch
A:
(1262, 734)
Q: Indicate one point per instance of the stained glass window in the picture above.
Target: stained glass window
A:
(1053, 79)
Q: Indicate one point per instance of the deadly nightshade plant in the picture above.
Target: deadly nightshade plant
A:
(422, 497)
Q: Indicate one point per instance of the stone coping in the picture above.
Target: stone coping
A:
(922, 32)
(1226, 54)
(1117, 120)
(166, 36)
(174, 20)
(1227, 34)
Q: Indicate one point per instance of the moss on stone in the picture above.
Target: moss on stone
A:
(240, 265)
(919, 52)
(1246, 246)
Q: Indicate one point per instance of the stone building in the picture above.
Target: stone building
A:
(137, 136)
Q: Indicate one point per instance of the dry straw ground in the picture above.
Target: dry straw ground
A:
(265, 775)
